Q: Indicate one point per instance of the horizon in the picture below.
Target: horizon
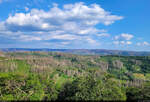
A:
(75, 24)
(74, 49)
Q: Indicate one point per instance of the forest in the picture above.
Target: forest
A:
(52, 76)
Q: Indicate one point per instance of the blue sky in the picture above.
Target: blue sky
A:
(75, 24)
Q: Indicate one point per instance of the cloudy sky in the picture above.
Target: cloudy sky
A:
(75, 24)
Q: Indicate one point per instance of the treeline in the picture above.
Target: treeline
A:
(36, 87)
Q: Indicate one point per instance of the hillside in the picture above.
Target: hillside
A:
(60, 76)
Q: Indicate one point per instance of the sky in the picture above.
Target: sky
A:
(75, 24)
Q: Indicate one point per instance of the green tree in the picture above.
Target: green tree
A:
(91, 88)
(133, 93)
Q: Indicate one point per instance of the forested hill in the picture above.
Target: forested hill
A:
(47, 76)
(83, 51)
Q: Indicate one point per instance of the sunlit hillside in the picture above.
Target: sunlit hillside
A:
(59, 76)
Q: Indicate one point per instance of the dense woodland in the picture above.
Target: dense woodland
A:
(60, 76)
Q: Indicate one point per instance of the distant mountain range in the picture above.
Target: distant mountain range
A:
(83, 51)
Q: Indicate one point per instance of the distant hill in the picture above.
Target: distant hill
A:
(83, 51)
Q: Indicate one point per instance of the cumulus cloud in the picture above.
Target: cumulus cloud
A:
(124, 36)
(79, 17)
(128, 42)
(91, 41)
(64, 37)
(71, 22)
(28, 38)
(103, 35)
(143, 43)
(2, 27)
(122, 42)
(123, 39)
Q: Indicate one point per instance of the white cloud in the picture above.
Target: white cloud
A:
(124, 36)
(91, 41)
(123, 39)
(143, 43)
(103, 35)
(64, 37)
(2, 27)
(73, 22)
(122, 42)
(128, 42)
(28, 38)
(77, 16)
